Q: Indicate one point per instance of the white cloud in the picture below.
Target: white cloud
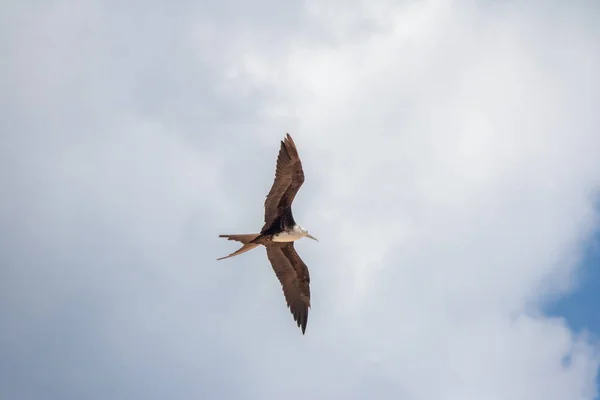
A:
(451, 164)
(456, 155)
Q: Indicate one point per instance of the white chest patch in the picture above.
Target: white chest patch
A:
(287, 236)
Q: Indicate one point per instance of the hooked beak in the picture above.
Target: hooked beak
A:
(313, 238)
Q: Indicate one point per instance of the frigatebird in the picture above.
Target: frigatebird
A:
(280, 231)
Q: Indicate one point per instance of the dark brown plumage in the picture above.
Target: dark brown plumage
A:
(289, 176)
(280, 231)
(294, 277)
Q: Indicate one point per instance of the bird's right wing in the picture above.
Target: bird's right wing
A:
(294, 277)
(289, 176)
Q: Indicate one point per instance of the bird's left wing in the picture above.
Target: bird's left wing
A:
(294, 277)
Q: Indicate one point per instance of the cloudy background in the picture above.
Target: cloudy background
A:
(452, 172)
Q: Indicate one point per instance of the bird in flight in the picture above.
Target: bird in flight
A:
(280, 231)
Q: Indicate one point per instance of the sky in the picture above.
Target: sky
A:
(450, 150)
(579, 306)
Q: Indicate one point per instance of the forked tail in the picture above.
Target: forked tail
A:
(245, 239)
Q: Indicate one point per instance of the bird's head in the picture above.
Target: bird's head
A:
(305, 233)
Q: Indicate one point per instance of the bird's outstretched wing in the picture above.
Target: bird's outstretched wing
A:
(294, 277)
(289, 176)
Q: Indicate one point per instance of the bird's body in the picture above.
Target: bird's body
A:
(290, 235)
(280, 231)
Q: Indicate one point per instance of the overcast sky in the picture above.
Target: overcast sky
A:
(451, 157)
